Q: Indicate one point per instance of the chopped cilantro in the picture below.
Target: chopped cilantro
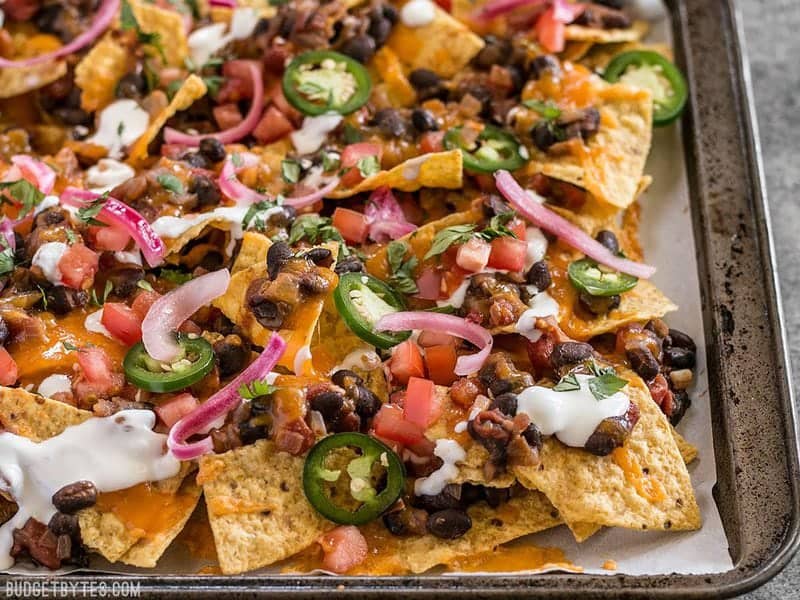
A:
(457, 234)
(175, 276)
(252, 213)
(68, 346)
(330, 161)
(547, 109)
(314, 229)
(256, 389)
(402, 271)
(71, 237)
(290, 170)
(568, 383)
(351, 134)
(6, 257)
(106, 291)
(87, 214)
(368, 166)
(144, 285)
(497, 227)
(171, 183)
(23, 192)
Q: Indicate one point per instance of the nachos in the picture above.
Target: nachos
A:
(363, 276)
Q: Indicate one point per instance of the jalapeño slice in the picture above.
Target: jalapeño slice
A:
(596, 280)
(494, 149)
(369, 464)
(323, 81)
(651, 70)
(197, 359)
(361, 301)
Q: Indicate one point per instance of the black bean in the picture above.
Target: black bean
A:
(644, 363)
(268, 313)
(349, 264)
(583, 127)
(506, 403)
(496, 496)
(570, 353)
(545, 134)
(207, 191)
(617, 4)
(679, 358)
(496, 51)
(395, 523)
(544, 63)
(680, 403)
(379, 27)
(389, 121)
(345, 378)
(423, 79)
(75, 496)
(539, 276)
(132, 85)
(610, 434)
(232, 355)
(361, 48)
(287, 23)
(679, 339)
(449, 524)
(449, 497)
(49, 217)
(533, 436)
(408, 521)
(212, 149)
(73, 116)
(251, 432)
(5, 333)
(284, 217)
(125, 281)
(64, 524)
(322, 257)
(608, 239)
(278, 255)
(599, 305)
(423, 120)
(312, 283)
(195, 159)
(483, 95)
(390, 12)
(47, 18)
(62, 300)
(329, 404)
(500, 386)
(367, 403)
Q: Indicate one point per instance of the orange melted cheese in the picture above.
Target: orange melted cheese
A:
(145, 510)
(646, 485)
(37, 358)
(508, 559)
(574, 88)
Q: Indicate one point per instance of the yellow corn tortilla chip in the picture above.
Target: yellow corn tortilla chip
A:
(580, 33)
(574, 51)
(611, 163)
(15, 81)
(168, 25)
(333, 341)
(99, 72)
(192, 89)
(600, 55)
(590, 489)
(256, 506)
(687, 449)
(434, 170)
(521, 515)
(253, 251)
(299, 326)
(445, 45)
(398, 88)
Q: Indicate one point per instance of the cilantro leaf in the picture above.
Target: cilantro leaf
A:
(23, 192)
(144, 285)
(568, 383)
(106, 291)
(497, 227)
(87, 214)
(237, 160)
(548, 109)
(256, 389)
(253, 211)
(606, 385)
(175, 276)
(290, 170)
(68, 346)
(171, 183)
(368, 166)
(6, 258)
(330, 161)
(457, 234)
(314, 229)
(71, 237)
(213, 83)
(402, 271)
(351, 134)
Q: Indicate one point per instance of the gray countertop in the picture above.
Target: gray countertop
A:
(773, 41)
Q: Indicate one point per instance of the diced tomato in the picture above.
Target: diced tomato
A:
(473, 255)
(173, 151)
(112, 239)
(352, 224)
(272, 126)
(174, 409)
(344, 547)
(8, 368)
(142, 303)
(421, 406)
(122, 322)
(539, 353)
(390, 424)
(429, 284)
(441, 362)
(406, 362)
(227, 115)
(485, 182)
(508, 253)
(78, 266)
(432, 141)
(550, 31)
(427, 339)
(445, 5)
(98, 375)
(351, 178)
(238, 85)
(519, 228)
(351, 155)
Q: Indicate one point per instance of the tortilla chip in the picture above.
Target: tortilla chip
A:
(21, 80)
(591, 489)
(34, 417)
(611, 164)
(434, 170)
(687, 449)
(192, 89)
(521, 515)
(256, 506)
(299, 326)
(445, 45)
(333, 340)
(580, 33)
(574, 51)
(99, 72)
(168, 25)
(253, 251)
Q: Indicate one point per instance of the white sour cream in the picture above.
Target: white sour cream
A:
(360, 358)
(418, 13)
(114, 453)
(537, 246)
(313, 133)
(47, 202)
(571, 416)
(174, 227)
(47, 258)
(412, 166)
(301, 359)
(55, 384)
(456, 299)
(451, 453)
(207, 41)
(93, 323)
(129, 258)
(108, 174)
(541, 305)
(120, 124)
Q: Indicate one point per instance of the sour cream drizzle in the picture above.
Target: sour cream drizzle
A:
(418, 13)
(451, 453)
(120, 124)
(114, 453)
(571, 416)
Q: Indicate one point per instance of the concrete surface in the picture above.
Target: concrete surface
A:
(772, 31)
